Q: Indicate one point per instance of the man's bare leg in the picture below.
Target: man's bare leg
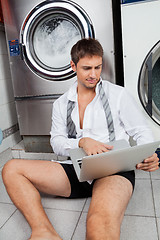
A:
(109, 201)
(22, 178)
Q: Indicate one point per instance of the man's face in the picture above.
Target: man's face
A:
(88, 71)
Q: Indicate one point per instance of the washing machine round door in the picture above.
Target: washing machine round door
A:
(149, 83)
(47, 35)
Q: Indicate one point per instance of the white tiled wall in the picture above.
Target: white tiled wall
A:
(8, 116)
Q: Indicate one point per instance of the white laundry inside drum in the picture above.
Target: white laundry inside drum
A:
(52, 41)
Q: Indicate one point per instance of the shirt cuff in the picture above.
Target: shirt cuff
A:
(72, 143)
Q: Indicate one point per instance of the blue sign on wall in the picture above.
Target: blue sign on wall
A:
(132, 1)
(14, 47)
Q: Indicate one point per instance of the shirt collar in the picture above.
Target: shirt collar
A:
(97, 86)
(72, 92)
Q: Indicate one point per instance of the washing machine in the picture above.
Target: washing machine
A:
(141, 56)
(40, 35)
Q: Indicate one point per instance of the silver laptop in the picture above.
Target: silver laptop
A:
(121, 158)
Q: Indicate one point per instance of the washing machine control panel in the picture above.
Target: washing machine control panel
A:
(133, 1)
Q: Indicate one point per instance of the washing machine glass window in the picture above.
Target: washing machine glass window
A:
(47, 35)
(52, 41)
(149, 83)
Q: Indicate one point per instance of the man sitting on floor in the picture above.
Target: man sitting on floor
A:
(90, 114)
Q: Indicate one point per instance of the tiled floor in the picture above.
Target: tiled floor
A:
(141, 221)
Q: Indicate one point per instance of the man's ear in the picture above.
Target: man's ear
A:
(73, 66)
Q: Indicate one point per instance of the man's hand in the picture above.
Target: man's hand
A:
(149, 164)
(91, 146)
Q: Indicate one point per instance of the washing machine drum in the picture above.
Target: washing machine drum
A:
(149, 83)
(47, 35)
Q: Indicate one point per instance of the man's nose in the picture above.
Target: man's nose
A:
(93, 73)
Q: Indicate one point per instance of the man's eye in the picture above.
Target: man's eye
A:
(86, 68)
(98, 67)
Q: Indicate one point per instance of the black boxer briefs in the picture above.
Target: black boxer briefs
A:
(84, 189)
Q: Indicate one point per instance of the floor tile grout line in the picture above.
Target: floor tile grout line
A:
(7, 203)
(157, 228)
(155, 179)
(79, 218)
(154, 206)
(84, 204)
(59, 209)
(8, 219)
(76, 225)
(143, 216)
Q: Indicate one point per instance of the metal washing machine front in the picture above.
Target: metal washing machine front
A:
(45, 32)
(40, 35)
(141, 51)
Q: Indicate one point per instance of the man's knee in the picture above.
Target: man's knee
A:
(9, 170)
(98, 218)
(102, 225)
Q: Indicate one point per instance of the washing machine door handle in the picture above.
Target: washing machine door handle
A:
(149, 68)
(21, 48)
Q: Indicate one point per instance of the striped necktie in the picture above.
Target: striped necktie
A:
(108, 113)
(71, 126)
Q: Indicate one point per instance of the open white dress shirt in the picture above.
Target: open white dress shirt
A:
(127, 119)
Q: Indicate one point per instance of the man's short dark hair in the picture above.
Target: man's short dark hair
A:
(86, 47)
